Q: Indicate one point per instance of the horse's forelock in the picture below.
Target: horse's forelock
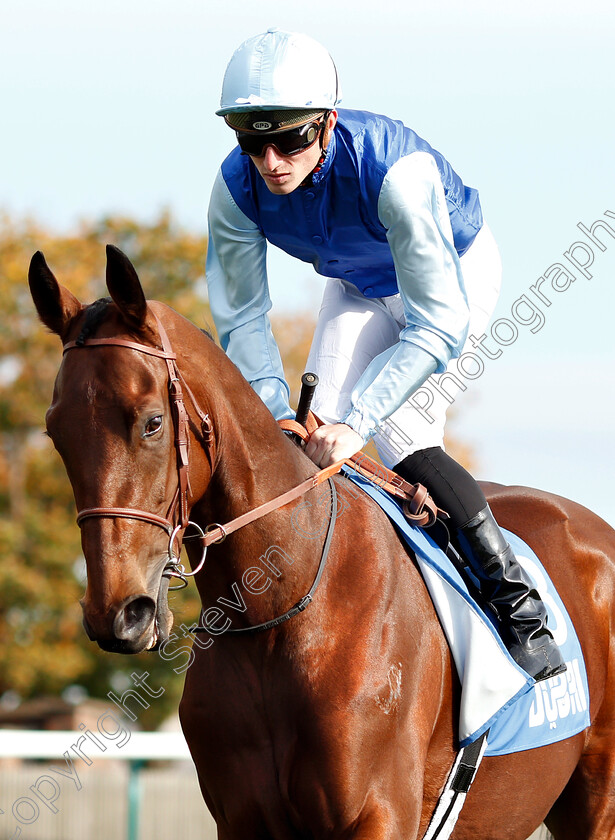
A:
(94, 316)
(97, 312)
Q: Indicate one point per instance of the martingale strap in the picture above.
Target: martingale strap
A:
(307, 599)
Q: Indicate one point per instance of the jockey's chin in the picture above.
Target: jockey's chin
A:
(284, 173)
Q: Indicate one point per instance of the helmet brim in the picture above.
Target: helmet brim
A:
(271, 121)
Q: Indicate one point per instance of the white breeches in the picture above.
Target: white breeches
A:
(353, 329)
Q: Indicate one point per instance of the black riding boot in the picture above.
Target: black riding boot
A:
(510, 592)
(503, 581)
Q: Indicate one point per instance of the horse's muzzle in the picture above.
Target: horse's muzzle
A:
(135, 627)
(134, 618)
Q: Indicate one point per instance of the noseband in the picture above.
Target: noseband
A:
(177, 519)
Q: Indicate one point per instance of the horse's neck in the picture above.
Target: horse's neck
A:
(252, 457)
(254, 463)
(266, 554)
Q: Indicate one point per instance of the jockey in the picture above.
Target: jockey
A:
(413, 273)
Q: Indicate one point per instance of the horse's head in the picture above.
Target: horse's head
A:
(112, 421)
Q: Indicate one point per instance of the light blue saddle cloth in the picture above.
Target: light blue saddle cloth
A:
(496, 693)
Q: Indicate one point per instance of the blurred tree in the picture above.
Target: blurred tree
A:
(42, 573)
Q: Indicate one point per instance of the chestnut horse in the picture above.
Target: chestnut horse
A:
(340, 722)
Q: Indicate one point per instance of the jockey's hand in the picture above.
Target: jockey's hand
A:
(332, 442)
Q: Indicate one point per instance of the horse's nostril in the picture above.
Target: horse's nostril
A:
(134, 618)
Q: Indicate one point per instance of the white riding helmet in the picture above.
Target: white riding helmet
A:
(279, 71)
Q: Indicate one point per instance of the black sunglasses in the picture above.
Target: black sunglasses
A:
(288, 143)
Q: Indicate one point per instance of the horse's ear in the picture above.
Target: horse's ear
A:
(125, 287)
(56, 306)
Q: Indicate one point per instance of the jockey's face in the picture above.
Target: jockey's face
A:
(284, 173)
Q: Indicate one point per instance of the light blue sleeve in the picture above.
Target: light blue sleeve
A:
(239, 298)
(412, 207)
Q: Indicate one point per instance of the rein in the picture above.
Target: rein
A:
(416, 503)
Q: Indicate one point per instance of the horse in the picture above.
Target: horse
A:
(341, 722)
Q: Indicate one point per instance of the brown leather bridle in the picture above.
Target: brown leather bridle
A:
(177, 517)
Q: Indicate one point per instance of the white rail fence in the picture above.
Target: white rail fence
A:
(48, 793)
(51, 793)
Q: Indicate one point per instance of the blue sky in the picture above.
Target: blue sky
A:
(108, 106)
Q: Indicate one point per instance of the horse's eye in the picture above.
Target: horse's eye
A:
(153, 425)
